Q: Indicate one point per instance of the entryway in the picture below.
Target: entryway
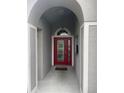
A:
(57, 27)
(62, 34)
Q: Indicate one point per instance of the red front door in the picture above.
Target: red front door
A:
(62, 50)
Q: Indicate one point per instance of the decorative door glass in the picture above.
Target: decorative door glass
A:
(69, 51)
(60, 50)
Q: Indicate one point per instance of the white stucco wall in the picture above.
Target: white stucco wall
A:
(92, 63)
(40, 54)
(33, 58)
(30, 4)
(88, 58)
(77, 59)
(44, 50)
(47, 57)
(89, 7)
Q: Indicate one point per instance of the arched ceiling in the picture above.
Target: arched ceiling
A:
(58, 14)
(60, 17)
(41, 6)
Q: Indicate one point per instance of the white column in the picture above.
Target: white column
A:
(86, 55)
(32, 66)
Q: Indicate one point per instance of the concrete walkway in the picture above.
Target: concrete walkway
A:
(59, 82)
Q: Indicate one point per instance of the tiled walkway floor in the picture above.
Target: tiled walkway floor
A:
(59, 82)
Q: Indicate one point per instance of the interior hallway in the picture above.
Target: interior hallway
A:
(58, 81)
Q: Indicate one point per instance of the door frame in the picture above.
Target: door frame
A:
(53, 48)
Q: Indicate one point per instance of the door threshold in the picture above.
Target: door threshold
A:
(61, 68)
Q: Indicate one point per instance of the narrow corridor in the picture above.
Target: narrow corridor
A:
(58, 81)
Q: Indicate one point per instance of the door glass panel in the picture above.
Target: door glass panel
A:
(60, 50)
(69, 49)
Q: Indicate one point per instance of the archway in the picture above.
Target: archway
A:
(47, 19)
(40, 6)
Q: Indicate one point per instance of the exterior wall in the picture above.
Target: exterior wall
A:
(89, 54)
(33, 59)
(44, 50)
(77, 56)
(30, 4)
(92, 64)
(47, 58)
(40, 54)
(77, 59)
(89, 8)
